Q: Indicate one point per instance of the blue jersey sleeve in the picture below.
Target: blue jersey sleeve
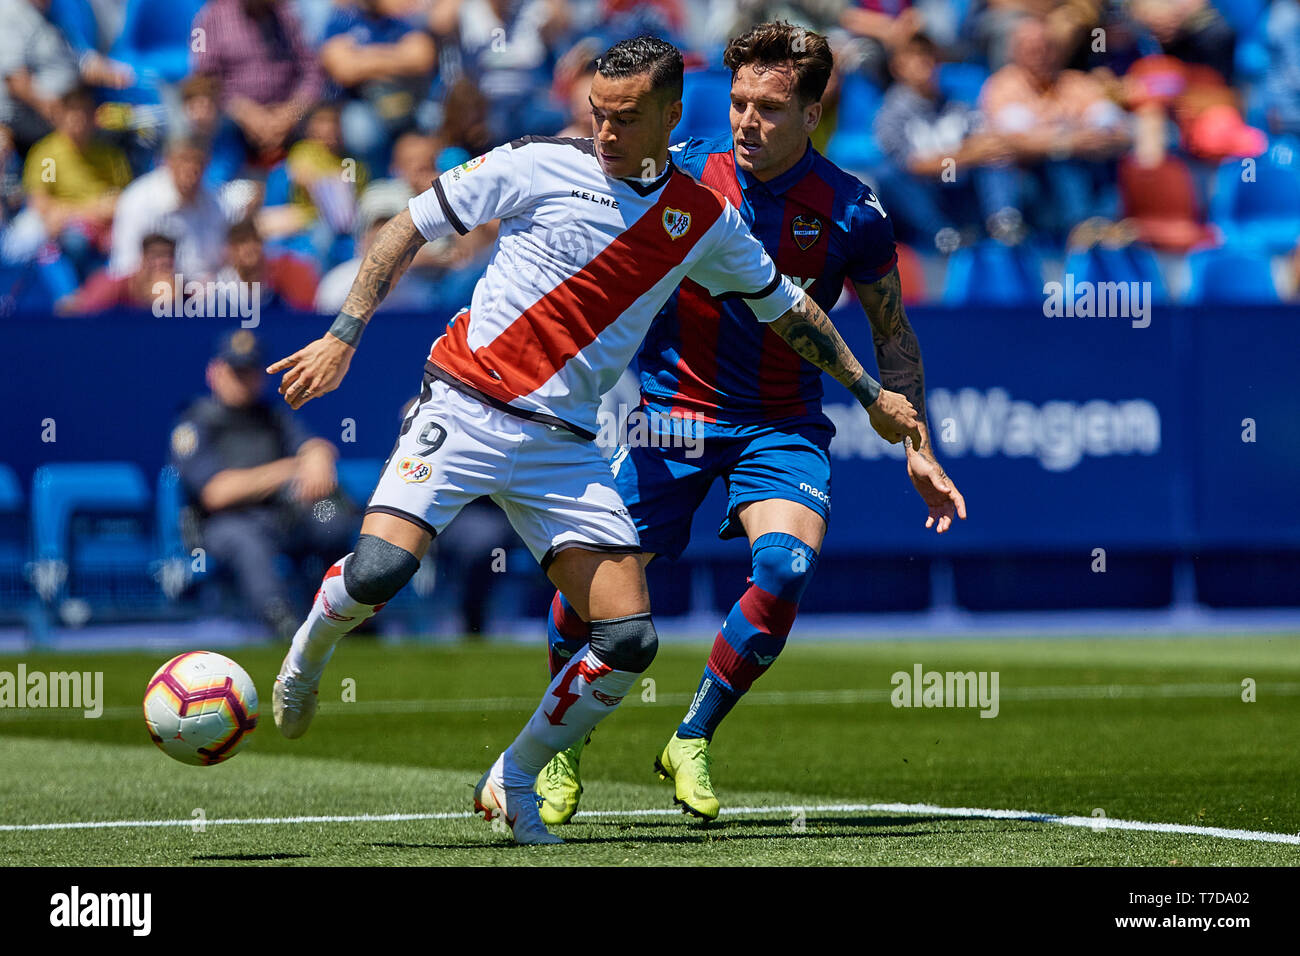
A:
(871, 238)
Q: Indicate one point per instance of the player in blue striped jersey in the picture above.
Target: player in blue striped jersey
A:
(751, 397)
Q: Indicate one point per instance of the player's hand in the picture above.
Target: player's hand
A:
(313, 370)
(936, 490)
(894, 418)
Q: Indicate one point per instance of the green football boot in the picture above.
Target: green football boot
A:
(686, 764)
(560, 785)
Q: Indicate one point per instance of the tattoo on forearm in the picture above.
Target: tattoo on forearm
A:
(810, 332)
(388, 258)
(898, 353)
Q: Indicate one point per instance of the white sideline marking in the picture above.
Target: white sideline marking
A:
(753, 699)
(904, 809)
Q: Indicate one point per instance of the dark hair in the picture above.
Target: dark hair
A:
(779, 42)
(200, 84)
(922, 44)
(645, 54)
(243, 231)
(80, 96)
(157, 238)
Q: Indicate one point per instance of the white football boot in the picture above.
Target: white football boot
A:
(293, 701)
(518, 806)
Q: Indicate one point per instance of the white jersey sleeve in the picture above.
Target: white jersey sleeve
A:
(496, 185)
(738, 265)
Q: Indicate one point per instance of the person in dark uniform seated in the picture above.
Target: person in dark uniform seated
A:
(259, 484)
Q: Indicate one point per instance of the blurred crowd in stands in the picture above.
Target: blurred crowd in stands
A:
(162, 141)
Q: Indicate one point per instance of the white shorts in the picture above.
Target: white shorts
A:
(554, 486)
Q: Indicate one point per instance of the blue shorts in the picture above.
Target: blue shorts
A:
(665, 471)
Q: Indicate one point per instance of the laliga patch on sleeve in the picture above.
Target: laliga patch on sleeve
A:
(412, 469)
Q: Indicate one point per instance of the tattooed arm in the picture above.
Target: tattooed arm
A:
(810, 332)
(898, 353)
(386, 261)
(898, 356)
(319, 367)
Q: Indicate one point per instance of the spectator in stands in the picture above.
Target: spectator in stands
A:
(934, 150)
(1068, 23)
(504, 48)
(282, 281)
(311, 199)
(260, 483)
(880, 27)
(37, 66)
(1282, 84)
(138, 290)
(1191, 30)
(1059, 126)
(201, 105)
(72, 180)
(172, 200)
(268, 74)
(573, 75)
(384, 63)
(411, 291)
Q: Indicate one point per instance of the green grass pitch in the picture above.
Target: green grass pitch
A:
(1144, 729)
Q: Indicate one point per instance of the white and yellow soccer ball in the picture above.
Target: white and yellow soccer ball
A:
(200, 708)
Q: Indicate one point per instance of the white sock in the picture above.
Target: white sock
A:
(582, 694)
(333, 614)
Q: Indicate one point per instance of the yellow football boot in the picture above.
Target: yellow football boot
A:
(686, 763)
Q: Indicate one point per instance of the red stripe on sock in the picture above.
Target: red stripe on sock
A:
(731, 667)
(767, 612)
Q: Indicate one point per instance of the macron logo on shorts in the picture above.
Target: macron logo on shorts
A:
(817, 493)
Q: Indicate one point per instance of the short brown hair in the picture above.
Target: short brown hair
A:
(778, 42)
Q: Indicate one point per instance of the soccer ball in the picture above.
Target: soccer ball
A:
(200, 708)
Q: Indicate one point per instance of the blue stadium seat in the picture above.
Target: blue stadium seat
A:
(155, 37)
(1242, 15)
(169, 502)
(107, 560)
(990, 273)
(961, 81)
(1266, 211)
(854, 146)
(705, 98)
(1133, 263)
(358, 477)
(1230, 276)
(13, 542)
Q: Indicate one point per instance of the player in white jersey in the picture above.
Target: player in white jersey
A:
(595, 235)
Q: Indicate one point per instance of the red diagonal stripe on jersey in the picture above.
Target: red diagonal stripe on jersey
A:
(569, 318)
(720, 173)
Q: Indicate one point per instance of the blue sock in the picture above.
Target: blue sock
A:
(713, 701)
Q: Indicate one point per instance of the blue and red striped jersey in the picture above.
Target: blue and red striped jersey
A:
(708, 356)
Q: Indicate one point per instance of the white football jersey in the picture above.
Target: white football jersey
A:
(582, 265)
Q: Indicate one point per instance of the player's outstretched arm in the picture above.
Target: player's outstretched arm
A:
(898, 356)
(319, 367)
(810, 332)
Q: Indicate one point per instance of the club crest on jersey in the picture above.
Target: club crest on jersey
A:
(805, 231)
(412, 469)
(676, 222)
